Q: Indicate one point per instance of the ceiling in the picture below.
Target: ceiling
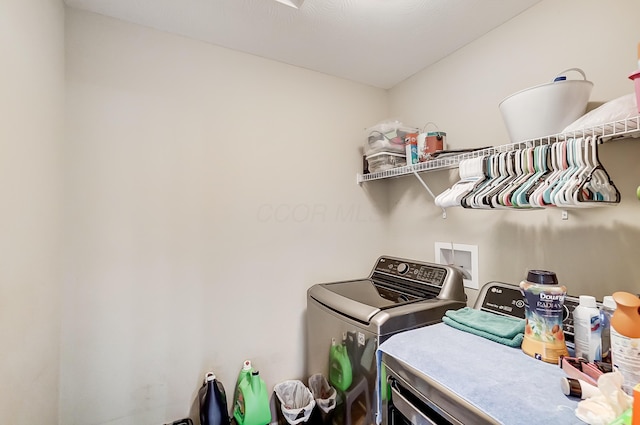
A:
(375, 42)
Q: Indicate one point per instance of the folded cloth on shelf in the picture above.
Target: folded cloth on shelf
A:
(501, 329)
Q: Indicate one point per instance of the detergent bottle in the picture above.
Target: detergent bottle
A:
(251, 400)
(213, 402)
(544, 308)
(625, 339)
(340, 372)
(587, 329)
(245, 372)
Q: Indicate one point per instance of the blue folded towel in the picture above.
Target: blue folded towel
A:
(504, 330)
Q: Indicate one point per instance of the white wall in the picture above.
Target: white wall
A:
(31, 133)
(595, 250)
(208, 189)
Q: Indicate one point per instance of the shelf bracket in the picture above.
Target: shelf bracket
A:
(415, 173)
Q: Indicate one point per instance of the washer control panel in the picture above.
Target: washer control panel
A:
(432, 274)
(507, 300)
(501, 298)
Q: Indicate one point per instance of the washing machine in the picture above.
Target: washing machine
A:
(347, 320)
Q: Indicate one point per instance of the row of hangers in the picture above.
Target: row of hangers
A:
(564, 174)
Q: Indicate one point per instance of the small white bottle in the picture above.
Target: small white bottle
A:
(586, 328)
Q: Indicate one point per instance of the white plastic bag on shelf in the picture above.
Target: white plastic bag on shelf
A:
(387, 136)
(296, 401)
(323, 393)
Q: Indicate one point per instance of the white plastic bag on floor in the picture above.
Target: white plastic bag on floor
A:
(323, 393)
(296, 401)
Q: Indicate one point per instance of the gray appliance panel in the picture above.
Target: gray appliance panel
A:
(339, 303)
(439, 398)
(325, 326)
(425, 273)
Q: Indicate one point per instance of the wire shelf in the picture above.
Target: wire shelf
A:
(629, 127)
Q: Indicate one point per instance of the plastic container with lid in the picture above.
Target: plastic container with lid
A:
(544, 307)
(587, 329)
(383, 161)
(387, 136)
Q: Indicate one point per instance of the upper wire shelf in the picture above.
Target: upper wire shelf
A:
(629, 127)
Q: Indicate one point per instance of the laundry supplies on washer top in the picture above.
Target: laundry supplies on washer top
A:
(587, 329)
(606, 312)
(544, 309)
(501, 329)
(603, 407)
(578, 388)
(625, 338)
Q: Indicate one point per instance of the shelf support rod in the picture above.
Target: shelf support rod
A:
(415, 173)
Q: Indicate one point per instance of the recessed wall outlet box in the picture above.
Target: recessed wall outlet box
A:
(463, 256)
